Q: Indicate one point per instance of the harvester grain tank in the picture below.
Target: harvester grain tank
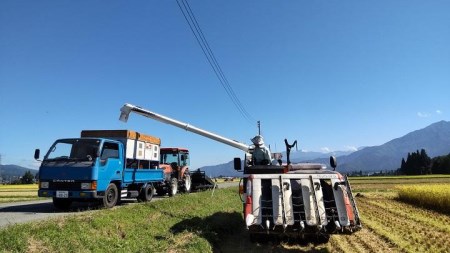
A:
(300, 200)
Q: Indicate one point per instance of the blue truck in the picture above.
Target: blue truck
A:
(101, 165)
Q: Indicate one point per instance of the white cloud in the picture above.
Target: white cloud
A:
(325, 150)
(438, 111)
(350, 148)
(423, 114)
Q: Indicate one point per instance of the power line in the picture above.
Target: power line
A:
(204, 45)
(228, 86)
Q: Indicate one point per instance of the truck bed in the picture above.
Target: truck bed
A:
(142, 175)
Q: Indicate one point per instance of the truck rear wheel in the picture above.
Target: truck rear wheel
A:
(62, 204)
(111, 196)
(173, 190)
(146, 193)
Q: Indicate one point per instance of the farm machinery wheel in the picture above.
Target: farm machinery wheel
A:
(173, 187)
(146, 193)
(187, 184)
(111, 196)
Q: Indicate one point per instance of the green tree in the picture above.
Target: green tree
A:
(441, 165)
(27, 178)
(417, 163)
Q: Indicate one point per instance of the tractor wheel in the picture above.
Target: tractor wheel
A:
(146, 194)
(111, 196)
(187, 184)
(62, 204)
(173, 187)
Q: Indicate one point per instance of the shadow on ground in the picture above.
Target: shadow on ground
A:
(226, 233)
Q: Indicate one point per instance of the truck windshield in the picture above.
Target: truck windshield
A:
(74, 149)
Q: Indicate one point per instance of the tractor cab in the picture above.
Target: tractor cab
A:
(175, 157)
(175, 163)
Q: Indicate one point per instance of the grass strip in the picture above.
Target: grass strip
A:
(185, 223)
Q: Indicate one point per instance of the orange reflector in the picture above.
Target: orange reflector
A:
(94, 185)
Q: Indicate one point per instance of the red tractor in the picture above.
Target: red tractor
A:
(175, 162)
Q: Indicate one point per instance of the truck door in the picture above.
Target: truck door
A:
(111, 165)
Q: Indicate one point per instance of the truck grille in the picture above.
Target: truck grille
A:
(65, 185)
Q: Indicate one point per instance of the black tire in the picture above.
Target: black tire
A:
(187, 184)
(259, 238)
(173, 187)
(62, 204)
(160, 191)
(323, 238)
(111, 196)
(146, 194)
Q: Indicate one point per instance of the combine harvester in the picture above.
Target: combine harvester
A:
(296, 200)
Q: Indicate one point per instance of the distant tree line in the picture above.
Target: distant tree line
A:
(419, 163)
(416, 163)
(373, 173)
(27, 178)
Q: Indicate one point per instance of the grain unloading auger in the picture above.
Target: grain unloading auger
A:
(301, 200)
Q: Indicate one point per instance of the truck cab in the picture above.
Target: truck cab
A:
(89, 168)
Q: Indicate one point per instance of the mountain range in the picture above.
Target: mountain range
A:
(13, 172)
(435, 139)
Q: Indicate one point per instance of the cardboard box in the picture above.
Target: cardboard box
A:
(120, 134)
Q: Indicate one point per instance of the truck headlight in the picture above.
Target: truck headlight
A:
(85, 186)
(89, 186)
(44, 185)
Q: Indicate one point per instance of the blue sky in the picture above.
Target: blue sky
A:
(333, 75)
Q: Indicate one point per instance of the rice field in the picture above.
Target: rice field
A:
(436, 197)
(391, 225)
(14, 193)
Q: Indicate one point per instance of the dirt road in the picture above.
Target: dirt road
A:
(19, 212)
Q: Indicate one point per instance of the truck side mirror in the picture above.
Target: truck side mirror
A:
(37, 154)
(333, 162)
(237, 164)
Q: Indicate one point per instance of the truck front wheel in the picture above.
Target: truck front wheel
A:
(111, 196)
(62, 204)
(173, 190)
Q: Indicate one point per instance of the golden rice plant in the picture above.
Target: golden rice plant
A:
(431, 196)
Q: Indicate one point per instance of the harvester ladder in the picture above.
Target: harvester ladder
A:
(352, 199)
(316, 204)
(266, 200)
(283, 207)
(298, 206)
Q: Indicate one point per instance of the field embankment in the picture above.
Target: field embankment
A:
(203, 222)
